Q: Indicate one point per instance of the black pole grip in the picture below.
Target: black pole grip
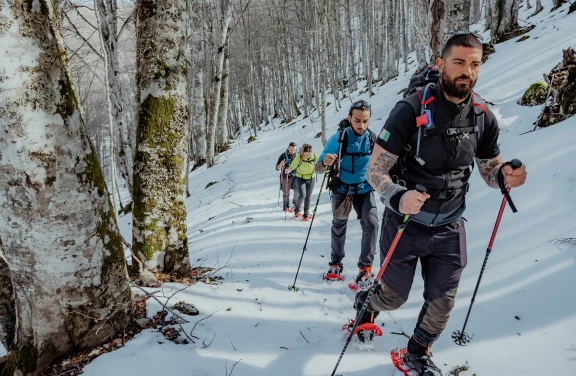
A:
(420, 188)
(515, 163)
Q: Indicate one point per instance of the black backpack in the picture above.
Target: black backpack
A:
(429, 74)
(333, 178)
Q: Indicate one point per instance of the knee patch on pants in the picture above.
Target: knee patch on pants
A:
(434, 317)
(385, 299)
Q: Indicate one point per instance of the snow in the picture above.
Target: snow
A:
(271, 330)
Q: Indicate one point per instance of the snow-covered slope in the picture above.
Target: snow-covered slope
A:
(271, 330)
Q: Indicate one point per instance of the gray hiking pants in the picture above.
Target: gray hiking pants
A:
(365, 207)
(442, 254)
(286, 184)
(304, 188)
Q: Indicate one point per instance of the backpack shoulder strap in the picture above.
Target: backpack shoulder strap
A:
(372, 139)
(342, 146)
(479, 111)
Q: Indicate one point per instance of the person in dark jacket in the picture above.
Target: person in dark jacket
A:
(464, 132)
(287, 181)
(349, 150)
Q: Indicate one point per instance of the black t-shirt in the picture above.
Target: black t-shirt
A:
(400, 127)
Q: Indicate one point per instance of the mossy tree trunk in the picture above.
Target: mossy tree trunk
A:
(7, 308)
(59, 236)
(159, 226)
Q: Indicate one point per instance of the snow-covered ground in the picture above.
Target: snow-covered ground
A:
(524, 317)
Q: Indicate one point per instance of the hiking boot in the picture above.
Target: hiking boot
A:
(421, 364)
(297, 215)
(307, 217)
(368, 317)
(365, 278)
(289, 210)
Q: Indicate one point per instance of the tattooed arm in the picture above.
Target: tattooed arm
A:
(377, 174)
(379, 178)
(489, 170)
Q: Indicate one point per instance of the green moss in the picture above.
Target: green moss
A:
(154, 118)
(23, 358)
(68, 104)
(568, 104)
(210, 184)
(318, 135)
(535, 95)
(522, 39)
(401, 91)
(572, 8)
(127, 209)
(251, 138)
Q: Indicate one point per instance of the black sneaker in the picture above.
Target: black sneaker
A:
(422, 364)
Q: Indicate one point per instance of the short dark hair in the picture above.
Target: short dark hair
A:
(460, 40)
(292, 144)
(361, 105)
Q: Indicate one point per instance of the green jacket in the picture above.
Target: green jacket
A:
(305, 168)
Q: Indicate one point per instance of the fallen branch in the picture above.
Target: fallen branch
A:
(226, 366)
(235, 203)
(401, 334)
(129, 246)
(304, 337)
(174, 314)
(205, 346)
(205, 318)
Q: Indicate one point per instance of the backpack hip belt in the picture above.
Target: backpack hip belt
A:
(447, 194)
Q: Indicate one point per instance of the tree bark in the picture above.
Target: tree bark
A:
(7, 307)
(222, 125)
(159, 225)
(59, 236)
(352, 82)
(504, 18)
(217, 82)
(106, 16)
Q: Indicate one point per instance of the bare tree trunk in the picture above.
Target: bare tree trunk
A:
(217, 81)
(437, 28)
(106, 16)
(539, 7)
(222, 127)
(63, 273)
(7, 307)
(159, 225)
(196, 82)
(352, 82)
(504, 18)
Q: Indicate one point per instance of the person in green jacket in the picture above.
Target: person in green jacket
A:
(304, 164)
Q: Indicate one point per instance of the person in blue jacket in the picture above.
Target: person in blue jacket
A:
(348, 152)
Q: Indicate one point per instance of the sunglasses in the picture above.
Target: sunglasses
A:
(466, 32)
(361, 105)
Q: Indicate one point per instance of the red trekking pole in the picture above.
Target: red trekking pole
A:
(376, 285)
(459, 336)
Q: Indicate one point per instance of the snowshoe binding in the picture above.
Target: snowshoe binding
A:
(334, 272)
(364, 280)
(413, 364)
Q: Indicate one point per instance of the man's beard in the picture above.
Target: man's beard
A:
(454, 89)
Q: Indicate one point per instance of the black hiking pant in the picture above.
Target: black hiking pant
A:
(442, 254)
